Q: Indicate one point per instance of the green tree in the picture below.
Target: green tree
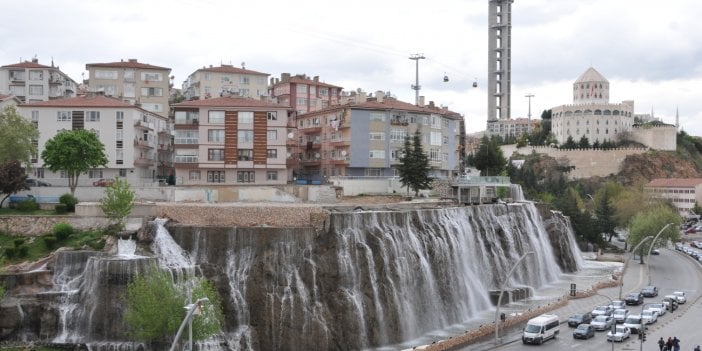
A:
(489, 158)
(118, 202)
(74, 152)
(604, 214)
(12, 179)
(17, 135)
(569, 144)
(155, 307)
(584, 143)
(695, 209)
(414, 165)
(649, 223)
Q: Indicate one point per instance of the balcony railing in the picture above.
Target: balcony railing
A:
(143, 161)
(475, 180)
(143, 144)
(186, 159)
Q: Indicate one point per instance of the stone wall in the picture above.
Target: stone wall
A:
(656, 137)
(40, 225)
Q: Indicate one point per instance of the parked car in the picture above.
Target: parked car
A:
(635, 298)
(620, 315)
(680, 296)
(616, 304)
(655, 252)
(602, 322)
(660, 308)
(583, 331)
(602, 311)
(579, 318)
(670, 302)
(691, 230)
(104, 182)
(31, 182)
(649, 291)
(620, 334)
(649, 316)
(633, 322)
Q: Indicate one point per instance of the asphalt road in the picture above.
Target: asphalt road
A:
(670, 271)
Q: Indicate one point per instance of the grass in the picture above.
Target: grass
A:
(36, 247)
(16, 212)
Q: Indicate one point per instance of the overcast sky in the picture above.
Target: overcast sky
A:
(650, 51)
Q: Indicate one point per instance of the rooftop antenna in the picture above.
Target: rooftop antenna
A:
(243, 65)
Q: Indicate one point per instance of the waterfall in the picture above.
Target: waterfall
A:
(126, 247)
(516, 192)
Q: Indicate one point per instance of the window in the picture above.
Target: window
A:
(377, 116)
(215, 117)
(194, 175)
(119, 156)
(215, 154)
(186, 137)
(215, 135)
(272, 175)
(245, 117)
(272, 135)
(377, 136)
(301, 101)
(323, 91)
(152, 107)
(36, 90)
(186, 156)
(63, 116)
(92, 116)
(186, 117)
(151, 91)
(215, 177)
(17, 90)
(95, 173)
(301, 89)
(272, 116)
(379, 154)
(244, 92)
(245, 177)
(102, 74)
(36, 75)
(435, 138)
(244, 154)
(272, 153)
(35, 116)
(122, 172)
(245, 136)
(244, 80)
(225, 79)
(156, 77)
(374, 172)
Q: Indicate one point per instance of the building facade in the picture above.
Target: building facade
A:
(513, 127)
(137, 141)
(225, 80)
(592, 115)
(8, 100)
(682, 192)
(230, 141)
(365, 138)
(31, 81)
(134, 82)
(304, 94)
(499, 62)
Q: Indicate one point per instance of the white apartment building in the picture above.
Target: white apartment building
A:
(137, 142)
(230, 141)
(225, 80)
(31, 81)
(682, 192)
(134, 82)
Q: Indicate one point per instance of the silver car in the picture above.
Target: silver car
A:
(602, 322)
(620, 315)
(680, 296)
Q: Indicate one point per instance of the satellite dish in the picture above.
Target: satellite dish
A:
(291, 135)
(343, 152)
(316, 155)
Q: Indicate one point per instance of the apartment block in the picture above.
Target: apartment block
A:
(31, 81)
(137, 142)
(683, 193)
(134, 82)
(304, 94)
(365, 138)
(225, 80)
(230, 141)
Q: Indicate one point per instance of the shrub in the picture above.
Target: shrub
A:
(28, 205)
(18, 242)
(22, 251)
(62, 231)
(50, 242)
(61, 209)
(70, 201)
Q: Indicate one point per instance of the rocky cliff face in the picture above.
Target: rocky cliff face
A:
(644, 167)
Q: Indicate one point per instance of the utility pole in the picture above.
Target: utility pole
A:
(529, 96)
(416, 86)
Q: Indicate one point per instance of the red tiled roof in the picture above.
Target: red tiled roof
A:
(26, 64)
(300, 80)
(387, 104)
(675, 182)
(229, 102)
(82, 101)
(126, 64)
(4, 97)
(231, 69)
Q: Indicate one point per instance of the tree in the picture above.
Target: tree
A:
(584, 143)
(649, 223)
(17, 136)
(414, 165)
(695, 209)
(118, 201)
(489, 158)
(569, 144)
(74, 152)
(604, 214)
(155, 307)
(12, 179)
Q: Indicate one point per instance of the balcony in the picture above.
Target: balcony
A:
(189, 159)
(339, 142)
(340, 160)
(143, 125)
(312, 162)
(310, 130)
(143, 161)
(143, 144)
(165, 147)
(312, 145)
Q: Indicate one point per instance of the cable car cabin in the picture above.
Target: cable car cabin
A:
(475, 84)
(446, 78)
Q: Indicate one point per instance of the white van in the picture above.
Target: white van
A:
(541, 328)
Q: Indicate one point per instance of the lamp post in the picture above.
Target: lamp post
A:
(502, 290)
(529, 96)
(621, 278)
(191, 309)
(648, 256)
(642, 332)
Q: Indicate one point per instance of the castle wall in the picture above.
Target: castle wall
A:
(656, 137)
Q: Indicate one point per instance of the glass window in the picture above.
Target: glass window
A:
(151, 91)
(102, 74)
(272, 153)
(186, 137)
(122, 172)
(36, 75)
(272, 116)
(245, 177)
(92, 116)
(244, 154)
(272, 175)
(194, 175)
(379, 154)
(377, 116)
(63, 116)
(377, 136)
(245, 136)
(216, 117)
(36, 90)
(215, 135)
(272, 135)
(245, 117)
(215, 154)
(215, 177)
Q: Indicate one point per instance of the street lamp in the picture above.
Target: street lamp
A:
(191, 309)
(648, 257)
(529, 96)
(502, 290)
(621, 278)
(642, 332)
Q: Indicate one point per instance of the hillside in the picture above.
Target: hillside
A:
(642, 168)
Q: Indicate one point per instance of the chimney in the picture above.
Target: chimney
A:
(316, 78)
(431, 104)
(421, 101)
(379, 96)
(285, 76)
(35, 60)
(133, 60)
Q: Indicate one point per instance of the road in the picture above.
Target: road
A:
(670, 271)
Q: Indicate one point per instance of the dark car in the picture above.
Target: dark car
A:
(579, 318)
(35, 182)
(583, 331)
(649, 291)
(635, 298)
